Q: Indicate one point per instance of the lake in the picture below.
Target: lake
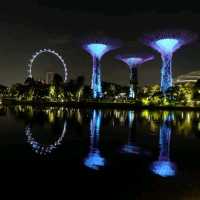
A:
(136, 154)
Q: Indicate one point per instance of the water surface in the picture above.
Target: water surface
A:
(136, 154)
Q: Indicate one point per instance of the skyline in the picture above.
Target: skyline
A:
(25, 31)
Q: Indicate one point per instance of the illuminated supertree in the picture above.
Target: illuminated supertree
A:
(131, 147)
(134, 61)
(166, 43)
(164, 167)
(94, 160)
(97, 48)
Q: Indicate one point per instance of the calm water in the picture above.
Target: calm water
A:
(138, 155)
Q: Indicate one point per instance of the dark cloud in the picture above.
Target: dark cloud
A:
(60, 40)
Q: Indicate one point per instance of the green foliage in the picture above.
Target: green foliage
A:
(76, 90)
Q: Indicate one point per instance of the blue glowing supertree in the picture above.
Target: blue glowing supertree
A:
(94, 160)
(164, 167)
(133, 61)
(166, 43)
(97, 48)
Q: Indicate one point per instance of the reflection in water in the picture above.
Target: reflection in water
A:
(41, 148)
(3, 110)
(164, 167)
(131, 147)
(120, 116)
(94, 160)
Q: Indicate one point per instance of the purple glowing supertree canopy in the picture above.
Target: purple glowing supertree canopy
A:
(133, 61)
(97, 48)
(166, 43)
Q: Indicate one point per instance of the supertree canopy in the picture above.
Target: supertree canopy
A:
(164, 167)
(97, 48)
(133, 61)
(166, 43)
(94, 160)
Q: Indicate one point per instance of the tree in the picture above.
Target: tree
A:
(17, 90)
(3, 90)
(29, 81)
(57, 80)
(80, 87)
(185, 94)
(56, 86)
(80, 81)
(196, 90)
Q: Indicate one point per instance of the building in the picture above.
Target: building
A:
(191, 77)
(49, 77)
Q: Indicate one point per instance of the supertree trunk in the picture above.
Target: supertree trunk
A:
(133, 82)
(166, 72)
(96, 78)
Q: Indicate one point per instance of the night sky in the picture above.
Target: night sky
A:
(27, 26)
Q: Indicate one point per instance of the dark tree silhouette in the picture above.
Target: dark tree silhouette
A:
(57, 80)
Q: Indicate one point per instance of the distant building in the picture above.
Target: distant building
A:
(49, 77)
(191, 77)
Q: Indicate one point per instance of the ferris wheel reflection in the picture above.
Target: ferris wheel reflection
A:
(43, 149)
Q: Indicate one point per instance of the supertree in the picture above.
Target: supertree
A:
(97, 47)
(166, 43)
(134, 61)
(94, 160)
(164, 167)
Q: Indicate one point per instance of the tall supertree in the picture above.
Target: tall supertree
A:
(97, 47)
(164, 167)
(94, 160)
(166, 43)
(134, 61)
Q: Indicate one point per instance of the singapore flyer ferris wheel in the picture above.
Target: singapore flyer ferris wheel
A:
(37, 53)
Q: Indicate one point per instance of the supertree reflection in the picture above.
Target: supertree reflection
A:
(94, 160)
(164, 167)
(43, 149)
(131, 147)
